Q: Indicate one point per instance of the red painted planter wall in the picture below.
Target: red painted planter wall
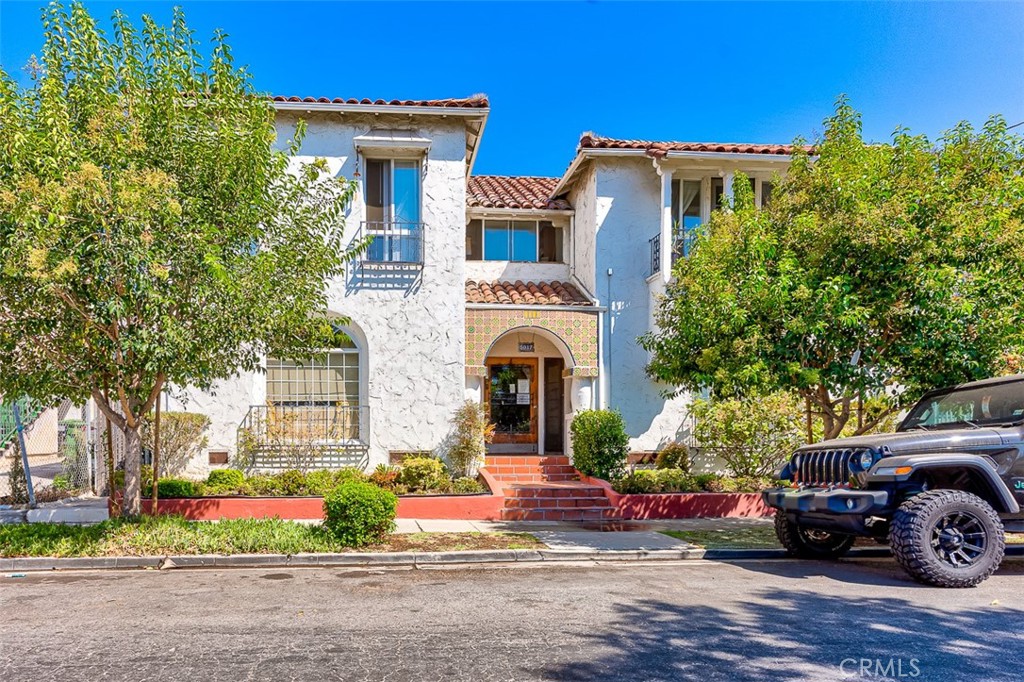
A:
(476, 507)
(685, 505)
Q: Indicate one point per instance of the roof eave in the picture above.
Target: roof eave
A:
(401, 109)
(502, 211)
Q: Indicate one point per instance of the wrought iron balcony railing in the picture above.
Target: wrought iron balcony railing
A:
(392, 241)
(681, 247)
(303, 436)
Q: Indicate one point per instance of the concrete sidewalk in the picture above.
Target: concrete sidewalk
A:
(596, 537)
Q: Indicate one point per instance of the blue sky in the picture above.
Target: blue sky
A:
(761, 72)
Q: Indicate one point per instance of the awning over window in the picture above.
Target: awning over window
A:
(390, 141)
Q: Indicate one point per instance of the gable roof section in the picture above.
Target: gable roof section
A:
(591, 141)
(473, 110)
(513, 191)
(525, 293)
(591, 145)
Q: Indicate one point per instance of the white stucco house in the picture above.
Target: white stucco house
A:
(526, 294)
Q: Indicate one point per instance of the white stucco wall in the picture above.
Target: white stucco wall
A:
(583, 198)
(508, 271)
(626, 212)
(410, 325)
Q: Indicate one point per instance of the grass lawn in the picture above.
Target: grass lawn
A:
(760, 537)
(171, 535)
(763, 537)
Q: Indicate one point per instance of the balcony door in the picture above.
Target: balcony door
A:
(393, 210)
(511, 399)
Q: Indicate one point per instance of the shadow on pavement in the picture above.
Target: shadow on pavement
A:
(797, 634)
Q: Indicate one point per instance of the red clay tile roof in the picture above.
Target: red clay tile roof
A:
(529, 293)
(512, 191)
(591, 141)
(474, 102)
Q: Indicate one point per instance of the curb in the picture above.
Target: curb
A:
(415, 559)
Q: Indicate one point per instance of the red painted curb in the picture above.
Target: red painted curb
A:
(685, 505)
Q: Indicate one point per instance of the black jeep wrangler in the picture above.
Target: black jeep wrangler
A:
(940, 491)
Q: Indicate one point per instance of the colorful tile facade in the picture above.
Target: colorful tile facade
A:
(578, 330)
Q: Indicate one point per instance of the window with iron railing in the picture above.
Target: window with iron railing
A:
(393, 216)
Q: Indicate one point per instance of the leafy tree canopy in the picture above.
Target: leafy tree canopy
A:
(150, 232)
(882, 269)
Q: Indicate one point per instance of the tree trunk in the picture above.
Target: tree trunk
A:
(111, 488)
(156, 458)
(132, 505)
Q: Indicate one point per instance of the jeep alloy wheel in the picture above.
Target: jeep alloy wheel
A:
(810, 543)
(948, 538)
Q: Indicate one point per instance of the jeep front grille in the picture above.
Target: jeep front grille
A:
(823, 467)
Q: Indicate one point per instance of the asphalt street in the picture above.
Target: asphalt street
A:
(771, 620)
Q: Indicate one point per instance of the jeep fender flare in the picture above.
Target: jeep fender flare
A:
(979, 465)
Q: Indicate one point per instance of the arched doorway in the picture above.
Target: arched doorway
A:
(526, 390)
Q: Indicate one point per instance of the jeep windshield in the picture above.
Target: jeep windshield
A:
(969, 406)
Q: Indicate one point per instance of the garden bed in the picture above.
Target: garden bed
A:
(482, 507)
(684, 505)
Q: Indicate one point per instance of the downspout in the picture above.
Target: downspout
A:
(606, 374)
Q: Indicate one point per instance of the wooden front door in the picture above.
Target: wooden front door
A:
(554, 410)
(511, 399)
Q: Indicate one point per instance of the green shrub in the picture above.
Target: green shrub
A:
(639, 482)
(262, 485)
(754, 435)
(673, 456)
(600, 444)
(177, 487)
(320, 482)
(182, 438)
(291, 482)
(385, 476)
(349, 474)
(471, 434)
(423, 474)
(221, 481)
(723, 484)
(61, 482)
(702, 481)
(467, 486)
(359, 513)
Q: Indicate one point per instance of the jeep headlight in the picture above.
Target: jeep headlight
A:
(864, 458)
(861, 460)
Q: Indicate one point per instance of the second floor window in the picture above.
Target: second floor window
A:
(690, 211)
(514, 240)
(393, 210)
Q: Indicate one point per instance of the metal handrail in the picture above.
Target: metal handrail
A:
(392, 241)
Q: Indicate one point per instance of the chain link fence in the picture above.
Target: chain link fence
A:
(60, 452)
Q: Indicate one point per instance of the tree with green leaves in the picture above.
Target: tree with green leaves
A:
(151, 233)
(878, 270)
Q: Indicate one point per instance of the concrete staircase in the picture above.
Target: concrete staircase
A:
(547, 488)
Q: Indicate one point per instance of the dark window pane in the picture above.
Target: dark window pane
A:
(766, 193)
(717, 190)
(377, 188)
(550, 243)
(474, 240)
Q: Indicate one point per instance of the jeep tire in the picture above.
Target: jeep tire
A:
(947, 538)
(810, 543)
